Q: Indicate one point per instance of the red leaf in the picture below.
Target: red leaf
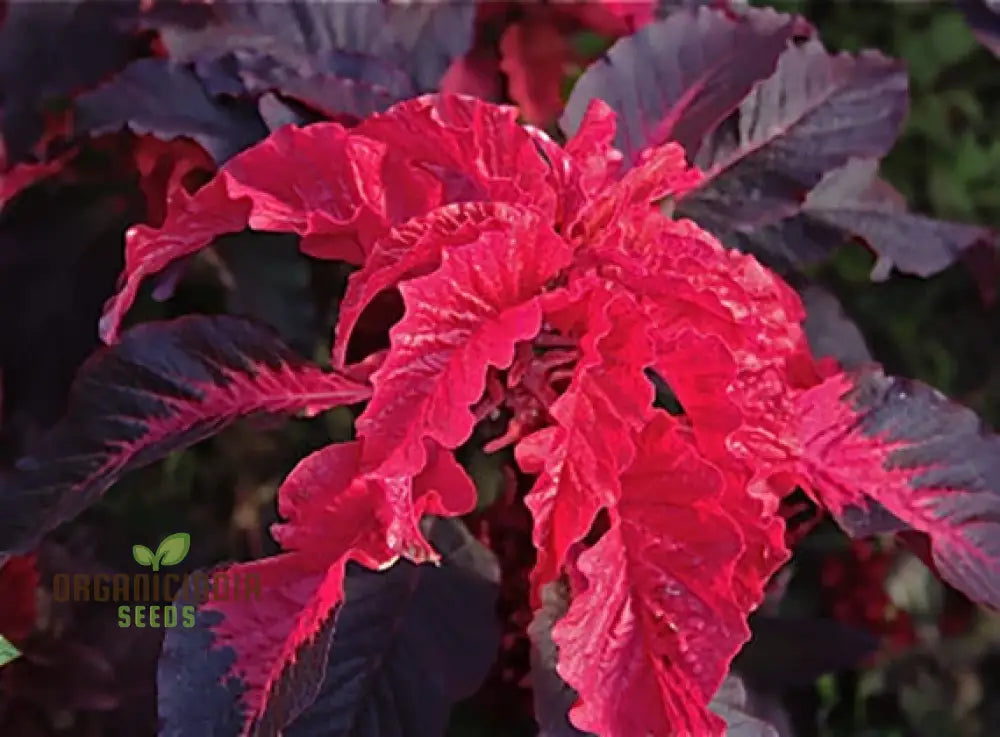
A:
(661, 172)
(331, 488)
(460, 319)
(166, 166)
(728, 342)
(581, 457)
(648, 639)
(592, 147)
(333, 515)
(927, 461)
(414, 249)
(22, 176)
(164, 387)
(612, 17)
(448, 148)
(319, 182)
(342, 190)
(476, 74)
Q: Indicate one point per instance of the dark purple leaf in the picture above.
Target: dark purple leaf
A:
(161, 98)
(277, 113)
(854, 200)
(812, 116)
(197, 690)
(409, 642)
(868, 518)
(730, 703)
(829, 330)
(928, 461)
(676, 79)
(553, 696)
(354, 58)
(164, 387)
(330, 95)
(51, 49)
(786, 246)
(851, 202)
(983, 17)
(55, 273)
(404, 645)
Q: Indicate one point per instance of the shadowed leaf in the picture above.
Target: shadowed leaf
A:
(408, 643)
(830, 332)
(785, 652)
(164, 387)
(401, 647)
(159, 97)
(353, 58)
(51, 49)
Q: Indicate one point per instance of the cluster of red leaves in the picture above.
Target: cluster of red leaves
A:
(543, 284)
(502, 244)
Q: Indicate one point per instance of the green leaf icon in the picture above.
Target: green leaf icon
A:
(172, 550)
(7, 651)
(143, 555)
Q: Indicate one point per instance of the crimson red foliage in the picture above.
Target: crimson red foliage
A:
(503, 244)
(558, 246)
(547, 293)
